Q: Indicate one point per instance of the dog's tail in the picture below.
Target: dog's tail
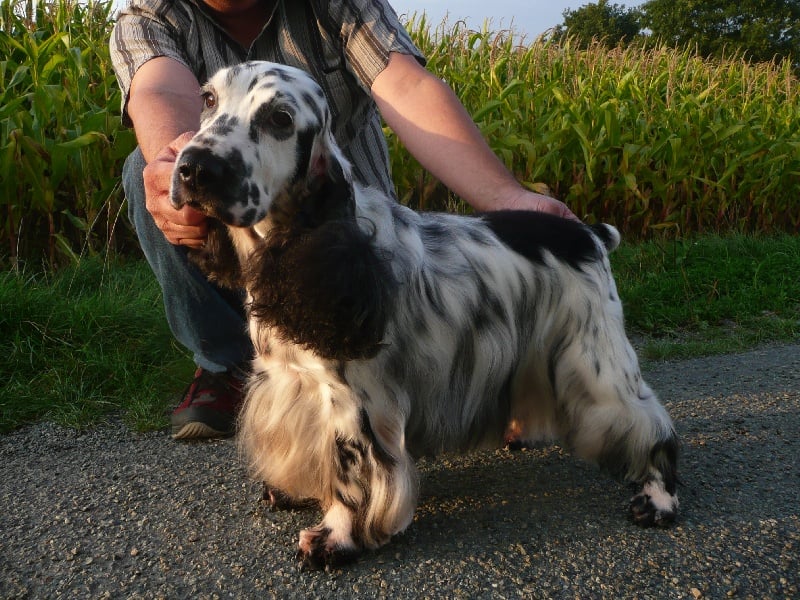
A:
(608, 234)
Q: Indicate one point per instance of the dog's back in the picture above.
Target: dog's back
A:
(532, 233)
(474, 296)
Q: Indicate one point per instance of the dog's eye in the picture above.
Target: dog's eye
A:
(209, 100)
(281, 119)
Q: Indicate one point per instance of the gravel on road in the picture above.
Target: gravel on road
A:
(110, 513)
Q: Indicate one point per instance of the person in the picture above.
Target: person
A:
(368, 67)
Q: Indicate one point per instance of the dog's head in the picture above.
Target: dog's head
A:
(265, 135)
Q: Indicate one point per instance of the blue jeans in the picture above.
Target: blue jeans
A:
(208, 320)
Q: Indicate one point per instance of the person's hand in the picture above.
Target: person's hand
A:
(184, 227)
(527, 200)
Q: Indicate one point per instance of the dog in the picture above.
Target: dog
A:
(382, 335)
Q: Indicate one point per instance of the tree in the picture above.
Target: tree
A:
(610, 23)
(761, 29)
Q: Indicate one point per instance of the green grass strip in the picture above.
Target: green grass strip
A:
(711, 294)
(84, 343)
(92, 341)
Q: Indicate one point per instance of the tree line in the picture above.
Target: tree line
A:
(759, 30)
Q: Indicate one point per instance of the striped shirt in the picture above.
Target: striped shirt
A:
(343, 44)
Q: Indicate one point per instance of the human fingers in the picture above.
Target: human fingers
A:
(555, 207)
(192, 236)
(184, 226)
(541, 203)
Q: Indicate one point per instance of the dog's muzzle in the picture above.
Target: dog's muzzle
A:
(200, 178)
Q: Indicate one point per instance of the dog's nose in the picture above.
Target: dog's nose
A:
(199, 169)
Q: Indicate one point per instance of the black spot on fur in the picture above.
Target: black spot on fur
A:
(462, 365)
(350, 454)
(255, 194)
(531, 233)
(256, 79)
(664, 457)
(261, 122)
(432, 292)
(490, 310)
(223, 125)
(233, 73)
(313, 105)
(397, 365)
(257, 123)
(246, 167)
(249, 217)
(267, 85)
(281, 74)
(305, 143)
(553, 357)
(435, 236)
(204, 140)
(378, 451)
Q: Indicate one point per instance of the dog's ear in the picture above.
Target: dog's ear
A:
(329, 183)
(218, 259)
(327, 289)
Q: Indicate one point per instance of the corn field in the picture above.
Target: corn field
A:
(647, 139)
(61, 140)
(652, 140)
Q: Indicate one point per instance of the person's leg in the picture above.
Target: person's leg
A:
(206, 319)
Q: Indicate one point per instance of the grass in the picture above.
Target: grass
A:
(84, 343)
(711, 294)
(92, 341)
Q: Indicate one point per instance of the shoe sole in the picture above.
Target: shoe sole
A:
(195, 430)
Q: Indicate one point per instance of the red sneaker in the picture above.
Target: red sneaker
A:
(209, 407)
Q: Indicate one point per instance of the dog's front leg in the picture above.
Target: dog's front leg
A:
(373, 495)
(310, 435)
(330, 543)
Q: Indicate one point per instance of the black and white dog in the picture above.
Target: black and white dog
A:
(382, 334)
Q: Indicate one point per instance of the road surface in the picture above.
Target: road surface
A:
(114, 514)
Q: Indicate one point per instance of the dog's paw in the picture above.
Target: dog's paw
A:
(654, 505)
(275, 499)
(319, 550)
(516, 445)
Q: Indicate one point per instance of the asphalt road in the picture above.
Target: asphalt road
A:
(114, 514)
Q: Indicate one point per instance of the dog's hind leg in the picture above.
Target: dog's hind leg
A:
(608, 414)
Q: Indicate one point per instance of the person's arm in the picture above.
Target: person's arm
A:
(164, 104)
(437, 130)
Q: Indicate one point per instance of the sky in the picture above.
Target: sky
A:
(529, 17)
